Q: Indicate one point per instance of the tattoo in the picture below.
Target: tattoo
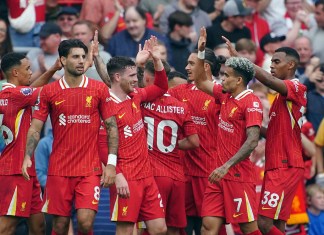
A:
(33, 137)
(112, 134)
(140, 76)
(102, 70)
(249, 145)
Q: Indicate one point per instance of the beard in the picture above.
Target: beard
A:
(74, 72)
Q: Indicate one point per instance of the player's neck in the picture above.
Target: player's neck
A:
(118, 92)
(237, 92)
(73, 81)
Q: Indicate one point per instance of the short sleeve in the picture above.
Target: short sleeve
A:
(217, 93)
(296, 92)
(189, 127)
(253, 112)
(27, 96)
(42, 105)
(107, 107)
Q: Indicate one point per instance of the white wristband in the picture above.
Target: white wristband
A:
(201, 55)
(112, 159)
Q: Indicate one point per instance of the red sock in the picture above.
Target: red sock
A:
(256, 232)
(88, 233)
(274, 231)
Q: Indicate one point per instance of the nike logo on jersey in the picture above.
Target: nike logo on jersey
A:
(237, 215)
(184, 100)
(59, 102)
(121, 116)
(94, 202)
(266, 208)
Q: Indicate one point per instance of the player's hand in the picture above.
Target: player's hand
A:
(122, 186)
(230, 47)
(152, 47)
(109, 175)
(202, 39)
(143, 54)
(218, 174)
(95, 45)
(27, 163)
(57, 65)
(89, 60)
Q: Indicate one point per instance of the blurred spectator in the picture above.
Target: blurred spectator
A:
(258, 27)
(272, 11)
(180, 27)
(66, 18)
(155, 8)
(176, 78)
(303, 46)
(214, 8)
(96, 10)
(315, 98)
(269, 43)
(315, 201)
(114, 22)
(163, 50)
(222, 50)
(5, 41)
(199, 17)
(246, 48)
(84, 30)
(45, 56)
(125, 43)
(26, 18)
(316, 34)
(232, 26)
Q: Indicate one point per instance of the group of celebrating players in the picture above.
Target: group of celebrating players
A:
(139, 135)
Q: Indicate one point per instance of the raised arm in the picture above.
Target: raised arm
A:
(109, 173)
(46, 76)
(33, 137)
(249, 145)
(200, 76)
(109, 28)
(263, 76)
(100, 65)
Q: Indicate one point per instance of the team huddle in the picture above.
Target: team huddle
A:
(176, 160)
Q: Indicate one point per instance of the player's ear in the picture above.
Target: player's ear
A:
(63, 60)
(117, 77)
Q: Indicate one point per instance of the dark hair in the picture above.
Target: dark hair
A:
(118, 64)
(214, 61)
(66, 45)
(139, 10)
(290, 52)
(179, 18)
(10, 60)
(319, 2)
(174, 74)
(149, 66)
(6, 45)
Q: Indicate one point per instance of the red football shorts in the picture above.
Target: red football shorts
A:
(278, 191)
(195, 188)
(232, 200)
(20, 197)
(60, 192)
(173, 198)
(145, 202)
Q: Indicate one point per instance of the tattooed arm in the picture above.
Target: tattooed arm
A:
(249, 145)
(33, 137)
(109, 173)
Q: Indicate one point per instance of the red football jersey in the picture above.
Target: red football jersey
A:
(165, 120)
(236, 115)
(283, 146)
(15, 117)
(75, 116)
(204, 112)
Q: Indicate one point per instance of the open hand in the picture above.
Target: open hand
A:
(202, 39)
(230, 47)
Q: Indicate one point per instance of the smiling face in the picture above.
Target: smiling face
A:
(135, 24)
(128, 79)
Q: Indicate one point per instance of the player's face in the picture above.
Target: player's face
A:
(279, 65)
(24, 72)
(74, 63)
(129, 79)
(317, 201)
(192, 63)
(83, 33)
(229, 80)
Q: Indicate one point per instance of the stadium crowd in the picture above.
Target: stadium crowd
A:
(162, 117)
